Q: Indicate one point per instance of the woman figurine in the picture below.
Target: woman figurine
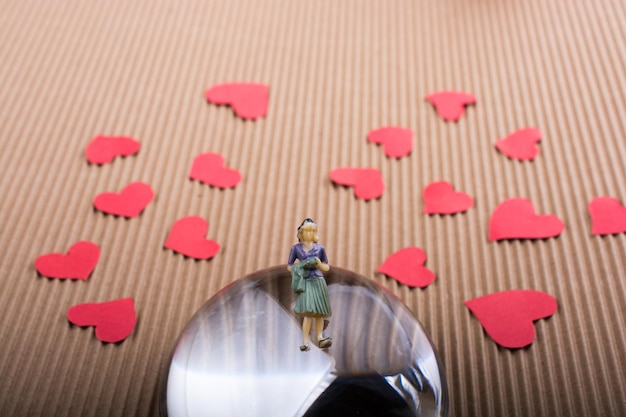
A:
(308, 282)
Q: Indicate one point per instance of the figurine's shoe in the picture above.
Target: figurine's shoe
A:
(305, 348)
(325, 342)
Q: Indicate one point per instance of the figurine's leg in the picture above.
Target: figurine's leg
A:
(319, 328)
(306, 329)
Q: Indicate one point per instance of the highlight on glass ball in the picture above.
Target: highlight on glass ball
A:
(305, 339)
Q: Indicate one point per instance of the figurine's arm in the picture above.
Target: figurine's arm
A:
(322, 266)
(322, 263)
(292, 258)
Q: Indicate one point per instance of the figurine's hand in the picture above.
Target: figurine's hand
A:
(322, 266)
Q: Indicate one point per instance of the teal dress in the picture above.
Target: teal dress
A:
(308, 281)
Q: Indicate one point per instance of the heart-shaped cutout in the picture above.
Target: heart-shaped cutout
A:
(367, 182)
(508, 317)
(608, 216)
(248, 100)
(516, 219)
(209, 168)
(397, 141)
(114, 320)
(79, 262)
(407, 267)
(103, 149)
(188, 237)
(521, 144)
(130, 202)
(450, 105)
(440, 198)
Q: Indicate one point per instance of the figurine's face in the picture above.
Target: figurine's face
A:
(307, 234)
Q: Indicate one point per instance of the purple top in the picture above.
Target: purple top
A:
(298, 252)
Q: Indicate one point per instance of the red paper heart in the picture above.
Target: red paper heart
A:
(407, 267)
(450, 104)
(516, 219)
(103, 149)
(248, 100)
(114, 320)
(130, 202)
(367, 182)
(520, 144)
(397, 141)
(440, 198)
(187, 237)
(508, 316)
(209, 168)
(78, 263)
(608, 216)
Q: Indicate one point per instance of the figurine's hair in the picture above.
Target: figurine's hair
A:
(308, 224)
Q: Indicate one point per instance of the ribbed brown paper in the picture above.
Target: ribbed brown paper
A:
(73, 69)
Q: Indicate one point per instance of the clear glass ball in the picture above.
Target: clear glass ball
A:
(240, 355)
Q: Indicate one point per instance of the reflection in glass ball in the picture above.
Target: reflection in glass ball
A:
(239, 355)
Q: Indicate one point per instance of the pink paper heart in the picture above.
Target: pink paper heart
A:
(440, 198)
(248, 100)
(516, 219)
(188, 237)
(367, 182)
(103, 149)
(114, 320)
(79, 262)
(608, 216)
(407, 267)
(521, 144)
(450, 105)
(508, 316)
(130, 202)
(209, 168)
(397, 141)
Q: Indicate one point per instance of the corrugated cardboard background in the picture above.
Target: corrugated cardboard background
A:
(72, 69)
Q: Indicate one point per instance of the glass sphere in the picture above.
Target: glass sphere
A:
(240, 355)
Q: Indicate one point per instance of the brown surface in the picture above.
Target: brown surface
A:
(336, 69)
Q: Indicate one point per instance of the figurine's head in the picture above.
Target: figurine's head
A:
(308, 231)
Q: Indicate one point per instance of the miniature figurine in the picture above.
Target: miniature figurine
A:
(307, 260)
